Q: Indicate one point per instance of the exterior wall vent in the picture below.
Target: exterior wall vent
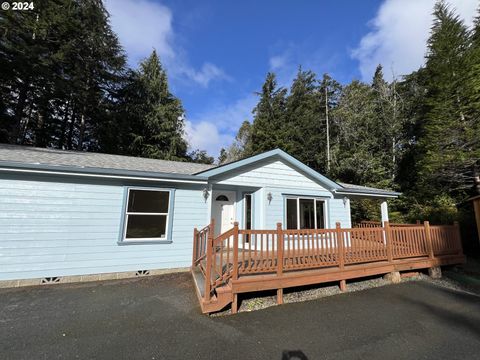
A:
(142, 273)
(51, 280)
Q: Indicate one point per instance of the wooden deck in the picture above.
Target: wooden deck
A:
(240, 261)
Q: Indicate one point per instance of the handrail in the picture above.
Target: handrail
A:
(200, 244)
(236, 253)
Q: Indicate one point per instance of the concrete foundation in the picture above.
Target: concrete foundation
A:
(394, 277)
(435, 272)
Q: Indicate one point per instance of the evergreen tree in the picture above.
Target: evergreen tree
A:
(59, 66)
(387, 104)
(200, 157)
(448, 147)
(269, 117)
(329, 94)
(154, 117)
(303, 135)
(358, 152)
(240, 147)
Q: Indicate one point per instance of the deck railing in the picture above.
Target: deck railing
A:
(237, 253)
(200, 240)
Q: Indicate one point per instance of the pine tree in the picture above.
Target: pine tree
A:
(200, 157)
(240, 147)
(329, 94)
(447, 145)
(60, 64)
(358, 151)
(304, 133)
(269, 115)
(154, 117)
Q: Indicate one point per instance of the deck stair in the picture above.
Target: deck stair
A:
(240, 261)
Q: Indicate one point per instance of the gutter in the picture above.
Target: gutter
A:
(365, 193)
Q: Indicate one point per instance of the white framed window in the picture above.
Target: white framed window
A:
(147, 214)
(305, 213)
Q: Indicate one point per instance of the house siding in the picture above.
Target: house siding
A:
(280, 179)
(54, 228)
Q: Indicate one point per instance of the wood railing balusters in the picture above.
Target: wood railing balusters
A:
(195, 245)
(235, 251)
(209, 251)
(388, 241)
(428, 239)
(457, 238)
(279, 249)
(340, 246)
(219, 259)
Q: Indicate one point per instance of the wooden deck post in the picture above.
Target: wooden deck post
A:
(340, 246)
(458, 237)
(235, 304)
(279, 249)
(195, 244)
(235, 251)
(280, 241)
(388, 241)
(476, 210)
(209, 252)
(428, 239)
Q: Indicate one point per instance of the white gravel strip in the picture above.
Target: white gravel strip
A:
(289, 296)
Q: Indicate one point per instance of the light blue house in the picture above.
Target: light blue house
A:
(76, 216)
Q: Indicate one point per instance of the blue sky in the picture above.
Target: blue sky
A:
(217, 53)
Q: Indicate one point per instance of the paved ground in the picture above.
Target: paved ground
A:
(158, 318)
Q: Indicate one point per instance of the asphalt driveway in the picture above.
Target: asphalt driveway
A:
(159, 318)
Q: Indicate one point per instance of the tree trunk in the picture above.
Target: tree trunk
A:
(19, 109)
(81, 131)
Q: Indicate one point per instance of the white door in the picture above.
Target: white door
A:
(223, 210)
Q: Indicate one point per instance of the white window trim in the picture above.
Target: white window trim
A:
(127, 213)
(315, 199)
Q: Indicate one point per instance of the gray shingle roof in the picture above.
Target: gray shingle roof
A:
(89, 160)
(366, 189)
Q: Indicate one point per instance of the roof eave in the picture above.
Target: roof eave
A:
(361, 192)
(15, 167)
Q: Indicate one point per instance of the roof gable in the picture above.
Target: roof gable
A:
(271, 155)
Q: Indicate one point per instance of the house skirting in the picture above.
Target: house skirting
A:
(87, 278)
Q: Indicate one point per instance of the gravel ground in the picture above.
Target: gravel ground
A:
(258, 301)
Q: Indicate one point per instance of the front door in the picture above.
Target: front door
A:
(223, 210)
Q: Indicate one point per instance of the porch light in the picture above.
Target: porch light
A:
(269, 198)
(206, 194)
(345, 200)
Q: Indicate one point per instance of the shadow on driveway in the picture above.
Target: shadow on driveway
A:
(159, 318)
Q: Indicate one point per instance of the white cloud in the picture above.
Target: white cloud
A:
(217, 127)
(278, 61)
(141, 26)
(206, 136)
(399, 34)
(206, 74)
(144, 25)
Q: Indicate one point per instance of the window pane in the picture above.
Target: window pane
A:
(291, 213)
(248, 211)
(148, 201)
(320, 215)
(307, 214)
(146, 226)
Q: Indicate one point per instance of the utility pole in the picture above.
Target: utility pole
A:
(328, 127)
